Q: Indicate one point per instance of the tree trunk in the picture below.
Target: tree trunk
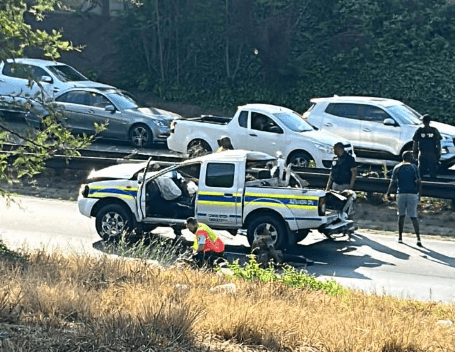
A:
(105, 8)
(160, 40)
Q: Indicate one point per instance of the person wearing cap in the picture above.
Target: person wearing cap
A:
(207, 246)
(427, 147)
(224, 144)
(407, 177)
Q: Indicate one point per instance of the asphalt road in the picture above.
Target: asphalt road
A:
(375, 264)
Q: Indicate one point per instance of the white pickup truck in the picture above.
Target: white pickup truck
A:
(259, 127)
(231, 190)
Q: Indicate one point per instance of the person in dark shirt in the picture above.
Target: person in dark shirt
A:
(342, 176)
(427, 147)
(344, 170)
(407, 177)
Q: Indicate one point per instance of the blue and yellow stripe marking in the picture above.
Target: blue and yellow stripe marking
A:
(259, 199)
(109, 191)
(282, 200)
(219, 198)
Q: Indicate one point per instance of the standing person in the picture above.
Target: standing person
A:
(343, 174)
(344, 170)
(409, 187)
(207, 246)
(224, 144)
(427, 147)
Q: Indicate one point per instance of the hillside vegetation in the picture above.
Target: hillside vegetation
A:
(220, 54)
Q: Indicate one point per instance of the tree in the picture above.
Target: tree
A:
(16, 37)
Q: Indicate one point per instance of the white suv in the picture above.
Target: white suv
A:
(379, 129)
(18, 79)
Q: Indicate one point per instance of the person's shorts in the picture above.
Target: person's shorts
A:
(407, 204)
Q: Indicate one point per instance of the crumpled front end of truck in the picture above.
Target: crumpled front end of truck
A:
(337, 208)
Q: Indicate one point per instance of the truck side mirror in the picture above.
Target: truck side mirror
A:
(140, 178)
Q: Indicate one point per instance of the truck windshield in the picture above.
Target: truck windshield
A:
(405, 114)
(293, 121)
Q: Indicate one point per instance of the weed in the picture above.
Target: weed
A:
(289, 276)
(11, 256)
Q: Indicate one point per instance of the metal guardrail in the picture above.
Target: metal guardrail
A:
(317, 178)
(443, 190)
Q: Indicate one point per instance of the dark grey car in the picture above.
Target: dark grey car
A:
(81, 108)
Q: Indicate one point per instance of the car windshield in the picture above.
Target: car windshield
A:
(293, 121)
(122, 101)
(405, 114)
(66, 73)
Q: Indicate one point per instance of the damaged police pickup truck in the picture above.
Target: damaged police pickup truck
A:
(232, 190)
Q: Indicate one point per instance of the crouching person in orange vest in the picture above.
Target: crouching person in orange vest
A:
(207, 246)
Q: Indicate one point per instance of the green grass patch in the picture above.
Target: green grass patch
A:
(289, 275)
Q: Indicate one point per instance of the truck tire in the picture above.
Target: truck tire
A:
(300, 158)
(274, 224)
(198, 147)
(112, 221)
(141, 136)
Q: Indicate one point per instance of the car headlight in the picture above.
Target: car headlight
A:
(160, 123)
(325, 148)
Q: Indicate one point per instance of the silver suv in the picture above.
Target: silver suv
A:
(380, 129)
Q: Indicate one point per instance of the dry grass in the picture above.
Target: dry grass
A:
(54, 303)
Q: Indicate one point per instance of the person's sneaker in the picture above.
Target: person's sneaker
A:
(400, 240)
(419, 244)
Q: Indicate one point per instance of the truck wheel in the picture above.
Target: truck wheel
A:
(112, 221)
(274, 224)
(198, 147)
(141, 136)
(301, 159)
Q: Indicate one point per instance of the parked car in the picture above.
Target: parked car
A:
(218, 189)
(380, 129)
(78, 109)
(22, 80)
(259, 127)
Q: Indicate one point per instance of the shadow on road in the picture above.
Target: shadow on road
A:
(435, 257)
(340, 257)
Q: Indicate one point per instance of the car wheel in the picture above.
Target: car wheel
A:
(274, 224)
(112, 221)
(141, 136)
(301, 159)
(198, 147)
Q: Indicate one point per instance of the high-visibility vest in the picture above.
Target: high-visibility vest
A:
(212, 241)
